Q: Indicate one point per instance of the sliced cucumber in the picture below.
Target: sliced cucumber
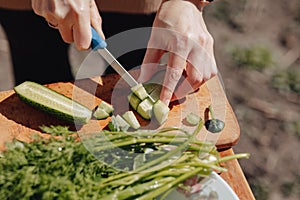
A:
(106, 107)
(149, 87)
(145, 108)
(103, 110)
(52, 102)
(155, 93)
(131, 119)
(118, 124)
(100, 113)
(193, 119)
(161, 111)
(134, 101)
(139, 91)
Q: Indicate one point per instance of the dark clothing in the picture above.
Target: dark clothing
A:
(39, 54)
(37, 51)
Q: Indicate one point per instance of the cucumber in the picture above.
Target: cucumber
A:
(149, 87)
(134, 101)
(52, 102)
(100, 113)
(161, 111)
(193, 119)
(103, 110)
(106, 107)
(155, 92)
(131, 119)
(145, 109)
(139, 91)
(119, 123)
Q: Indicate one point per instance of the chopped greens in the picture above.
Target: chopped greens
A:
(62, 168)
(50, 169)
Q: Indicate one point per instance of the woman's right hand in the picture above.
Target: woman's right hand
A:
(73, 19)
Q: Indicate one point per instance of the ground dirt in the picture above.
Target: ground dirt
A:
(266, 115)
(269, 119)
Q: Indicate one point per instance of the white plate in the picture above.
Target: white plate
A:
(214, 188)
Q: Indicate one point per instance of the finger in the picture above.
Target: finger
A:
(192, 81)
(66, 32)
(81, 29)
(203, 61)
(96, 20)
(150, 64)
(38, 7)
(176, 65)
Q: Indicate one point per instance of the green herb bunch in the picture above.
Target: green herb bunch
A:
(50, 169)
(62, 168)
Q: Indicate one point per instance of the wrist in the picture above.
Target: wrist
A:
(200, 4)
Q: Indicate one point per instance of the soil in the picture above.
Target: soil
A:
(266, 115)
(269, 119)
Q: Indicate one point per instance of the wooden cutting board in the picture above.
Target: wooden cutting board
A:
(21, 121)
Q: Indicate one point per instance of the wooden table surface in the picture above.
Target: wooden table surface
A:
(235, 177)
(19, 120)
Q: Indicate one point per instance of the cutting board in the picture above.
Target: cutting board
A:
(21, 121)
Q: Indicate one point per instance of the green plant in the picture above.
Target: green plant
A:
(287, 80)
(261, 192)
(293, 128)
(62, 168)
(287, 188)
(227, 11)
(254, 57)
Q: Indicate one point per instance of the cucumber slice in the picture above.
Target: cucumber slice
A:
(100, 113)
(52, 102)
(155, 93)
(193, 119)
(134, 101)
(106, 107)
(161, 111)
(103, 110)
(131, 119)
(154, 90)
(149, 87)
(119, 123)
(145, 108)
(139, 91)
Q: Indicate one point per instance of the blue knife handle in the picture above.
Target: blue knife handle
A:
(97, 41)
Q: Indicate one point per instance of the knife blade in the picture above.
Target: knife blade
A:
(117, 66)
(99, 45)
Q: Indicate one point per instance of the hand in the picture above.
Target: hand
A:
(179, 29)
(73, 19)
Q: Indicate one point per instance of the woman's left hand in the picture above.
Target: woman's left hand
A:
(179, 29)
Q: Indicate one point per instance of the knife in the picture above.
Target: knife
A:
(99, 45)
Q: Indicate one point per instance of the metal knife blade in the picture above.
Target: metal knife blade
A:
(117, 67)
(99, 45)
